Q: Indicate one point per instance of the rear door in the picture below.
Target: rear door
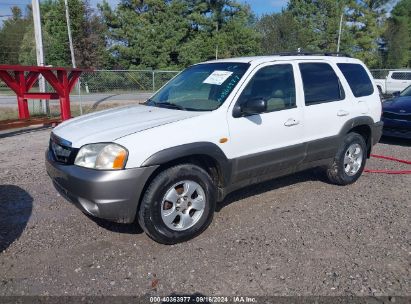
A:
(326, 107)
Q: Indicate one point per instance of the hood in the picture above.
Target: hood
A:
(109, 125)
(398, 105)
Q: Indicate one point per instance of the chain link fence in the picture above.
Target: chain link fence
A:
(399, 74)
(102, 89)
(124, 81)
(96, 90)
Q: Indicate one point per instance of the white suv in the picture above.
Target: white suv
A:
(216, 127)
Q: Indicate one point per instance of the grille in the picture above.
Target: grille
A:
(61, 150)
(397, 116)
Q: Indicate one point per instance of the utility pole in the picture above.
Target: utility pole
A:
(339, 31)
(216, 48)
(39, 51)
(73, 59)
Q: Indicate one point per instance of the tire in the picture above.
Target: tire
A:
(170, 196)
(347, 167)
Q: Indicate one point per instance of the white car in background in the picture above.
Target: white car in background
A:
(396, 81)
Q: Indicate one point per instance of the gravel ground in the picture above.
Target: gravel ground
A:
(296, 235)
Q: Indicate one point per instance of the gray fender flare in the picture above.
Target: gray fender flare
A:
(193, 149)
(362, 121)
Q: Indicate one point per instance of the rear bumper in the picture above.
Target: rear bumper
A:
(111, 195)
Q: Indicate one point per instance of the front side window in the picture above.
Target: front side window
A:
(358, 79)
(202, 87)
(401, 76)
(321, 84)
(275, 84)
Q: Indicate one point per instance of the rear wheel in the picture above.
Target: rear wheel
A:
(178, 204)
(349, 161)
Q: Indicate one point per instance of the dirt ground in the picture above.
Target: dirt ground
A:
(296, 235)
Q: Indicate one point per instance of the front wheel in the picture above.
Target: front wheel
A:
(349, 161)
(178, 204)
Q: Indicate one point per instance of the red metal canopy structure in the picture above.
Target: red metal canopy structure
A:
(21, 79)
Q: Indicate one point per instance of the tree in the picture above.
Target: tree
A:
(398, 36)
(175, 33)
(11, 35)
(222, 29)
(318, 23)
(367, 20)
(313, 25)
(281, 33)
(87, 30)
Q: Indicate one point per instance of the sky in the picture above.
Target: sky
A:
(260, 7)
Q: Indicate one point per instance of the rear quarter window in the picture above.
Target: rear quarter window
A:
(358, 79)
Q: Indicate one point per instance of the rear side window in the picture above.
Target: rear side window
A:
(358, 79)
(321, 84)
(401, 76)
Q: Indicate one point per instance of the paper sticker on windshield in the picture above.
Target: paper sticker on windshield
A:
(218, 77)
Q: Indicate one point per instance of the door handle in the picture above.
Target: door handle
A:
(342, 113)
(291, 122)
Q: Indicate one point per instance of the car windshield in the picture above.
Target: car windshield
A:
(202, 87)
(406, 92)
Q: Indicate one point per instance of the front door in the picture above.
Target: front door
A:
(270, 143)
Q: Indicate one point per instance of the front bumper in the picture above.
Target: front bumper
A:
(111, 195)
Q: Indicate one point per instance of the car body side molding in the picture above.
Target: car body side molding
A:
(259, 167)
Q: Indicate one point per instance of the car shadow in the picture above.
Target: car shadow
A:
(100, 101)
(15, 210)
(15, 132)
(395, 141)
(132, 228)
(315, 174)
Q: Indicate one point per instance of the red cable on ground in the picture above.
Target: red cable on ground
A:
(390, 171)
(392, 158)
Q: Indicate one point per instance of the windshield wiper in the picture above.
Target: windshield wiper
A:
(170, 105)
(151, 102)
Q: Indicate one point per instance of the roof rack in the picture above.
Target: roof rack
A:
(303, 53)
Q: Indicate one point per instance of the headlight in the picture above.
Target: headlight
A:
(102, 157)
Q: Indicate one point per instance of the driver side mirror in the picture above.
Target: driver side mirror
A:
(250, 107)
(396, 94)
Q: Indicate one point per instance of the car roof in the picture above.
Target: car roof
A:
(256, 60)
